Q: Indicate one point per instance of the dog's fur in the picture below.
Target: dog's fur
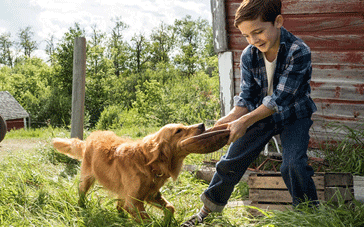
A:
(135, 170)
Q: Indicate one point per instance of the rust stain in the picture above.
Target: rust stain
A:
(337, 92)
(359, 88)
(315, 85)
(338, 101)
(354, 57)
(336, 118)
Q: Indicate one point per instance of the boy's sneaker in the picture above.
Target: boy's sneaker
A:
(193, 221)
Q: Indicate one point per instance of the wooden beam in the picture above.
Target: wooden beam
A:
(78, 87)
(219, 25)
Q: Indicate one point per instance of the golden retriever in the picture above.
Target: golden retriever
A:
(136, 170)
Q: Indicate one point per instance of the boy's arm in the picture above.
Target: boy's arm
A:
(234, 114)
(238, 127)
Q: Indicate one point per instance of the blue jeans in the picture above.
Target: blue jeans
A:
(296, 173)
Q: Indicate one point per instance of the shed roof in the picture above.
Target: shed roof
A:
(10, 108)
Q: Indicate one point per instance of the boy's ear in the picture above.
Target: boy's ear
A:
(278, 23)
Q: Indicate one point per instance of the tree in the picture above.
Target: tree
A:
(190, 36)
(140, 53)
(63, 57)
(5, 52)
(50, 48)
(60, 101)
(26, 43)
(117, 47)
(162, 39)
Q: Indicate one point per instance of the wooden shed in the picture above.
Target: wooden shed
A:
(13, 113)
(334, 30)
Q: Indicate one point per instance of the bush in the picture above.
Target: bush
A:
(109, 118)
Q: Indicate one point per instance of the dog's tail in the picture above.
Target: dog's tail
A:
(73, 148)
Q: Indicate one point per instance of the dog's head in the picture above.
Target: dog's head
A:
(183, 140)
(172, 143)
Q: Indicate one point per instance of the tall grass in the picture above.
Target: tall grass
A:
(39, 188)
(348, 154)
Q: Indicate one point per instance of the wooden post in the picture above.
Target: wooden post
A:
(78, 87)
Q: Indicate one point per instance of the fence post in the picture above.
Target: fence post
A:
(78, 87)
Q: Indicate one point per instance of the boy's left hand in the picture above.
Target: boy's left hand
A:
(237, 129)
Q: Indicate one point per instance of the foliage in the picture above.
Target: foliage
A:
(329, 214)
(348, 154)
(167, 77)
(40, 189)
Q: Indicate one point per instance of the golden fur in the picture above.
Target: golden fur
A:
(135, 170)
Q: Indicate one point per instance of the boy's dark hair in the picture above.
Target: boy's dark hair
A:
(249, 10)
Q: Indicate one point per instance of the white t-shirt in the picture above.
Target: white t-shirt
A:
(270, 67)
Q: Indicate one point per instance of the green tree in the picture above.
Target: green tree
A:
(117, 48)
(60, 101)
(162, 39)
(190, 35)
(6, 57)
(26, 43)
(139, 53)
(50, 48)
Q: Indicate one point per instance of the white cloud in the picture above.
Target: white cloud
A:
(55, 17)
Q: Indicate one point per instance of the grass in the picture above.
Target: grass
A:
(38, 187)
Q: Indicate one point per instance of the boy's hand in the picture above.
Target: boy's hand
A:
(237, 129)
(234, 114)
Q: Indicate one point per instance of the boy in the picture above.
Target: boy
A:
(274, 99)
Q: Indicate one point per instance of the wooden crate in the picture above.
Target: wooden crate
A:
(268, 190)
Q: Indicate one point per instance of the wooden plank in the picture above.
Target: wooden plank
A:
(321, 6)
(281, 196)
(338, 57)
(276, 196)
(276, 182)
(337, 90)
(265, 206)
(335, 42)
(309, 6)
(335, 194)
(325, 73)
(339, 180)
(272, 182)
(340, 109)
(316, 23)
(324, 23)
(219, 26)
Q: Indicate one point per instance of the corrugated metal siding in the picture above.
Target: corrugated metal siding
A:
(334, 30)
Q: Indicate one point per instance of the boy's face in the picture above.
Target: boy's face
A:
(263, 35)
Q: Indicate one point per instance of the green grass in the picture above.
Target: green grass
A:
(38, 187)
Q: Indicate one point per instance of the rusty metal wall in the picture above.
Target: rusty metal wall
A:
(334, 30)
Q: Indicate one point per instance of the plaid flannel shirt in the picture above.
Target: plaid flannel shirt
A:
(291, 84)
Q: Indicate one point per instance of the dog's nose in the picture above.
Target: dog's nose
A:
(201, 127)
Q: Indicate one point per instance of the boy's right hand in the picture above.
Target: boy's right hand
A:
(233, 115)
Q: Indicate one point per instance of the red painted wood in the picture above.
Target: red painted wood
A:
(309, 6)
(15, 124)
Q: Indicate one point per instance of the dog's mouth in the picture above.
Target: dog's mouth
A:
(209, 141)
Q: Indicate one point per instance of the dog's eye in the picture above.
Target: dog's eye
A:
(178, 131)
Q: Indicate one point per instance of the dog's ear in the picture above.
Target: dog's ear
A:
(160, 152)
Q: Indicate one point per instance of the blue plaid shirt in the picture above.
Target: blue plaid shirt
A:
(291, 84)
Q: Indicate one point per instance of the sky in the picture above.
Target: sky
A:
(55, 17)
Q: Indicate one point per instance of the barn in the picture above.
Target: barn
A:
(13, 113)
(334, 30)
